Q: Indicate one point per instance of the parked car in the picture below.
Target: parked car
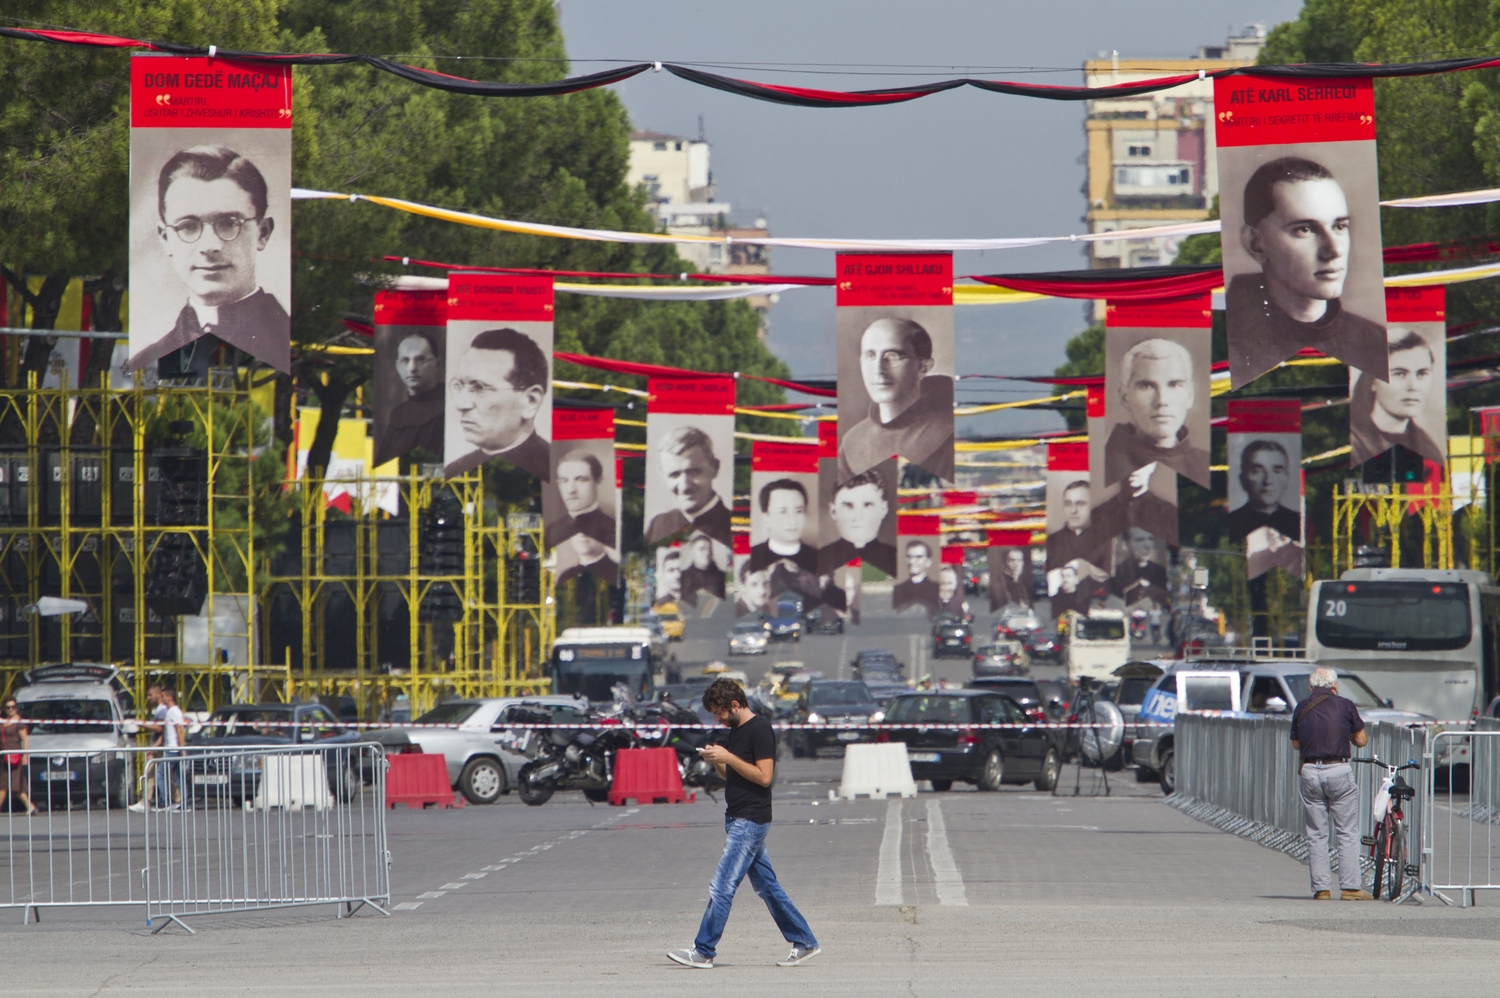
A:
(883, 693)
(831, 701)
(749, 637)
(75, 715)
(234, 778)
(1002, 658)
(825, 620)
(483, 754)
(951, 637)
(985, 757)
(1023, 690)
(1054, 698)
(785, 621)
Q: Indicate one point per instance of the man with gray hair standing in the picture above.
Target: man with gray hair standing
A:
(1323, 727)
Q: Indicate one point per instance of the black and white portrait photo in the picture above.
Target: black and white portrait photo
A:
(1267, 548)
(408, 385)
(689, 476)
(668, 586)
(704, 566)
(1010, 577)
(783, 524)
(1071, 535)
(859, 520)
(1302, 255)
(1157, 402)
(1409, 407)
(895, 384)
(1140, 576)
(582, 553)
(581, 497)
(1265, 476)
(916, 577)
(752, 590)
(210, 243)
(499, 396)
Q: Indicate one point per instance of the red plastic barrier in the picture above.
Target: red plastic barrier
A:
(648, 776)
(417, 780)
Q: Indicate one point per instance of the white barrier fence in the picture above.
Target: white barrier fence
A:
(200, 831)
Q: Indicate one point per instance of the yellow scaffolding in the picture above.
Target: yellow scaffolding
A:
(1383, 511)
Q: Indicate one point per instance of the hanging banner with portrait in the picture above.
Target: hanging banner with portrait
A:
(1010, 569)
(210, 212)
(895, 361)
(690, 462)
(1079, 550)
(783, 516)
(1157, 366)
(857, 515)
(409, 377)
(751, 590)
(1409, 408)
(920, 540)
(1300, 207)
(498, 401)
(580, 502)
(951, 581)
(1265, 483)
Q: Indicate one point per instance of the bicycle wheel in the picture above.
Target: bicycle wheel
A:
(1381, 855)
(1397, 856)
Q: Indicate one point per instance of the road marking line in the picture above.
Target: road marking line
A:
(453, 887)
(432, 894)
(949, 882)
(888, 877)
(475, 876)
(408, 906)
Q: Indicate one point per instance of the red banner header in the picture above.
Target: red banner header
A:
(790, 458)
(499, 297)
(582, 424)
(1192, 312)
(1068, 456)
(411, 308)
(198, 92)
(1265, 111)
(919, 526)
(694, 396)
(894, 278)
(1415, 304)
(1010, 538)
(828, 438)
(953, 554)
(1094, 402)
(1265, 416)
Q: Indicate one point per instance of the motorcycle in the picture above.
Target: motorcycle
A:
(692, 767)
(1138, 625)
(575, 758)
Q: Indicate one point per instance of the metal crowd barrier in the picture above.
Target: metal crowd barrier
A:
(1247, 767)
(1461, 843)
(201, 831)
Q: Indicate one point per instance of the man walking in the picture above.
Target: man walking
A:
(748, 765)
(1323, 727)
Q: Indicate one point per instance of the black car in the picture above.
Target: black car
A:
(785, 620)
(986, 757)
(1022, 689)
(233, 777)
(831, 701)
(877, 665)
(825, 620)
(952, 637)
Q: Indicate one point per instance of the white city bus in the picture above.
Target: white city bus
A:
(1425, 638)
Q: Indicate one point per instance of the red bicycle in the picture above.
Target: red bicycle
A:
(1389, 846)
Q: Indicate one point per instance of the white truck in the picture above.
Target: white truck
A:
(1097, 644)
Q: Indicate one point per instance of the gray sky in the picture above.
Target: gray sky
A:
(961, 164)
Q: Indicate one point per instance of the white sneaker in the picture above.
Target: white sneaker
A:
(691, 958)
(799, 956)
(139, 807)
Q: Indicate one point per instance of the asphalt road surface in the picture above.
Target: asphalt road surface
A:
(961, 893)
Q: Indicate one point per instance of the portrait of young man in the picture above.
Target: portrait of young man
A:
(1267, 473)
(578, 479)
(752, 589)
(497, 385)
(1408, 409)
(669, 577)
(214, 226)
(860, 510)
(910, 409)
(1297, 229)
(1074, 591)
(782, 505)
(1155, 392)
(918, 587)
(1076, 539)
(951, 593)
(416, 420)
(1011, 585)
(688, 468)
(701, 573)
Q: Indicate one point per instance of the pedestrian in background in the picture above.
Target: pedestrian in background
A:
(15, 739)
(748, 765)
(1324, 726)
(173, 735)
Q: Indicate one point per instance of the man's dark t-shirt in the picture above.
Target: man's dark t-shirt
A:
(1323, 729)
(752, 740)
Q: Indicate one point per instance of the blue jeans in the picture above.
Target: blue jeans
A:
(745, 853)
(171, 769)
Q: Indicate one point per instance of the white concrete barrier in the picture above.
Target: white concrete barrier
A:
(294, 781)
(877, 770)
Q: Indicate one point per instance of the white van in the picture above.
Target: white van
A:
(1097, 644)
